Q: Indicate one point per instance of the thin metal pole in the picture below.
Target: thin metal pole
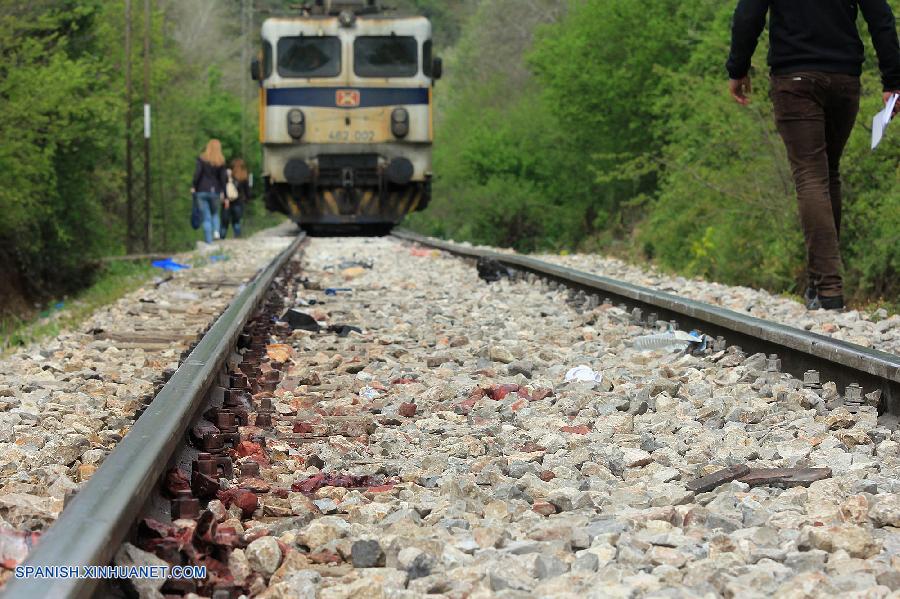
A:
(147, 186)
(161, 170)
(129, 175)
(245, 33)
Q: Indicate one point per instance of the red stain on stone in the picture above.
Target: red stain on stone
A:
(466, 406)
(543, 508)
(539, 394)
(314, 483)
(324, 557)
(246, 500)
(176, 480)
(581, 429)
(499, 392)
(247, 448)
(303, 427)
(408, 410)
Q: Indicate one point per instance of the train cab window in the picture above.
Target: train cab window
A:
(427, 59)
(267, 60)
(393, 56)
(309, 57)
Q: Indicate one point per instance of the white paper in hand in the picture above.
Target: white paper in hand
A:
(881, 120)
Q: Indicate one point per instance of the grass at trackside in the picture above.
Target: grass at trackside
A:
(114, 281)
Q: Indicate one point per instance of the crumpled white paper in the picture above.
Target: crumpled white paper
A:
(583, 374)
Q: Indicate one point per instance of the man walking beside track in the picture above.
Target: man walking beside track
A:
(816, 57)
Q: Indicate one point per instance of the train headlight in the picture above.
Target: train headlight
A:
(400, 122)
(347, 18)
(296, 123)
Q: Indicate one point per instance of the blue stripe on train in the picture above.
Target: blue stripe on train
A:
(326, 97)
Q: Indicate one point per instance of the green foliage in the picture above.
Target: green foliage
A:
(609, 127)
(54, 130)
(110, 282)
(62, 122)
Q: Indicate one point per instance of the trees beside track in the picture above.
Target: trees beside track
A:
(606, 125)
(62, 126)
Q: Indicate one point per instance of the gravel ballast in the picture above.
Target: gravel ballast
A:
(441, 452)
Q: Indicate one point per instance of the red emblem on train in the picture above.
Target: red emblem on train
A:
(347, 98)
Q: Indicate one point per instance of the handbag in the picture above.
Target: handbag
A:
(196, 214)
(231, 190)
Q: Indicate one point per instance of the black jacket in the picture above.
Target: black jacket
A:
(209, 178)
(815, 35)
(243, 188)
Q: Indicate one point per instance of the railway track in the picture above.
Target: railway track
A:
(411, 433)
(798, 350)
(94, 523)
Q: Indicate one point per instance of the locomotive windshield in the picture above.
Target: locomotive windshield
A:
(393, 56)
(309, 57)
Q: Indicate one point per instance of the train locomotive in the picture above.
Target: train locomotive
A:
(346, 114)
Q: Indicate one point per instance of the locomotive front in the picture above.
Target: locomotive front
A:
(346, 119)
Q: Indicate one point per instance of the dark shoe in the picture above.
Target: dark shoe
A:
(810, 293)
(825, 303)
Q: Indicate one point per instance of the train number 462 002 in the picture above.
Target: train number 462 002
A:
(357, 136)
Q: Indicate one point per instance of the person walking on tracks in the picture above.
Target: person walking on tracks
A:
(237, 194)
(816, 58)
(209, 184)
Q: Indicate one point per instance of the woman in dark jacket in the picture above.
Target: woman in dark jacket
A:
(234, 208)
(209, 187)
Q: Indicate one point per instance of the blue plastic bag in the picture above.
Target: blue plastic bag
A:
(196, 214)
(336, 290)
(169, 265)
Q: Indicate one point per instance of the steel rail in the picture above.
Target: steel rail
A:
(799, 350)
(98, 519)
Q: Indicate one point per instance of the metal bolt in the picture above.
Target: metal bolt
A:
(811, 379)
(720, 344)
(184, 506)
(236, 397)
(607, 301)
(623, 307)
(238, 380)
(853, 394)
(637, 316)
(205, 476)
(651, 319)
(673, 325)
(250, 469)
(773, 364)
(212, 443)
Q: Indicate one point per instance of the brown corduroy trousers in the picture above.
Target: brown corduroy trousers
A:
(815, 113)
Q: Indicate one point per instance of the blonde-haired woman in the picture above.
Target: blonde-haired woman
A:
(210, 179)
